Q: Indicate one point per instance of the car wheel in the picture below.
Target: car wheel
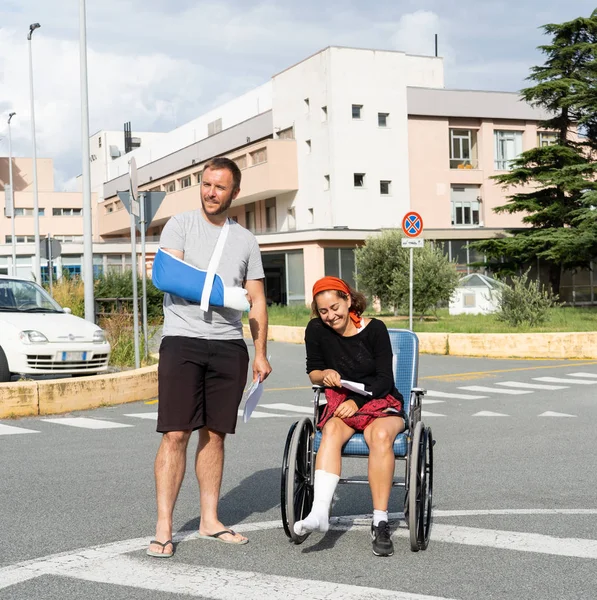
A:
(4, 371)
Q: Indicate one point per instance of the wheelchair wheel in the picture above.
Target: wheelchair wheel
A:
(420, 488)
(297, 484)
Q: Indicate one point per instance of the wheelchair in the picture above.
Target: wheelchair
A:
(414, 446)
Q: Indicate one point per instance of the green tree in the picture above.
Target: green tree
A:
(383, 271)
(434, 280)
(376, 263)
(559, 180)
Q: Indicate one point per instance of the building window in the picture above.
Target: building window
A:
(198, 178)
(99, 142)
(357, 111)
(508, 146)
(241, 161)
(69, 239)
(184, 182)
(326, 183)
(308, 146)
(324, 113)
(214, 127)
(270, 215)
(311, 216)
(20, 239)
(114, 263)
(547, 138)
(28, 212)
(286, 134)
(463, 149)
(66, 212)
(385, 187)
(359, 180)
(382, 119)
(170, 187)
(469, 300)
(307, 104)
(340, 262)
(109, 208)
(466, 206)
(250, 222)
(259, 156)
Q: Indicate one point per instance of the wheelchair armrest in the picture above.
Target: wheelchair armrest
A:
(420, 391)
(318, 387)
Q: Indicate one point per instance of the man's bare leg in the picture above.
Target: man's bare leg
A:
(209, 466)
(170, 464)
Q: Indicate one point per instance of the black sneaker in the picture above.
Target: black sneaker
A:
(382, 543)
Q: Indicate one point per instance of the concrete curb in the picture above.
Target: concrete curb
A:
(494, 345)
(32, 398)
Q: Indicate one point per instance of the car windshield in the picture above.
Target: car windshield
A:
(25, 296)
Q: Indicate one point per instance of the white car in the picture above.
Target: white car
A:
(39, 337)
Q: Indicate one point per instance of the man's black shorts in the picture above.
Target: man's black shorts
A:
(200, 383)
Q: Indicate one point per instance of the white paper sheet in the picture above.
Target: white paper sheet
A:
(252, 396)
(353, 386)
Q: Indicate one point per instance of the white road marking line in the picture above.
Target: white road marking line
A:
(551, 413)
(488, 413)
(307, 410)
(261, 415)
(10, 430)
(47, 565)
(483, 388)
(86, 423)
(426, 413)
(222, 584)
(455, 396)
(531, 386)
(593, 375)
(562, 380)
(429, 401)
(146, 415)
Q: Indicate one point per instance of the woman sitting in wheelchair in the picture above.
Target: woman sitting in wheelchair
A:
(343, 345)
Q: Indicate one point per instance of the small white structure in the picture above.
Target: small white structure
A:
(476, 294)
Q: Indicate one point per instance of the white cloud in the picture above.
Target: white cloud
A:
(415, 32)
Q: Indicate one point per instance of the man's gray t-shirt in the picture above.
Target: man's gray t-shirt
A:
(192, 234)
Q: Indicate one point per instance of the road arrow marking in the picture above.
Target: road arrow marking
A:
(551, 413)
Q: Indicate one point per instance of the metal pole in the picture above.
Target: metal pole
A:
(135, 291)
(410, 287)
(50, 266)
(143, 275)
(86, 176)
(37, 258)
(12, 192)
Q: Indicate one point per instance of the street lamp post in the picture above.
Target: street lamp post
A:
(86, 175)
(12, 194)
(37, 260)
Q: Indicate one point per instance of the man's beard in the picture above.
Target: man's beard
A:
(221, 209)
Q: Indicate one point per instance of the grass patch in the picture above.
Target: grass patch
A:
(120, 333)
(559, 319)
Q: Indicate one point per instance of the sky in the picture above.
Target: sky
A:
(161, 63)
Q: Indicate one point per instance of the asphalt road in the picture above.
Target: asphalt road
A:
(514, 498)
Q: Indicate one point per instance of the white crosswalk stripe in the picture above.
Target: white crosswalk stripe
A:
(256, 414)
(592, 375)
(426, 413)
(551, 413)
(562, 380)
(85, 423)
(307, 410)
(531, 386)
(10, 430)
(488, 413)
(147, 415)
(434, 394)
(483, 388)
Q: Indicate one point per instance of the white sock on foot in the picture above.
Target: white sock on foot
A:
(318, 519)
(379, 516)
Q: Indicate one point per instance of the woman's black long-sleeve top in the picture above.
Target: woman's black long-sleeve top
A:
(365, 357)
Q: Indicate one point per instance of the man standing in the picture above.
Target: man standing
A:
(203, 358)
